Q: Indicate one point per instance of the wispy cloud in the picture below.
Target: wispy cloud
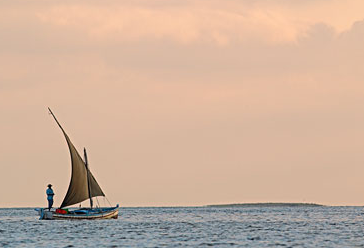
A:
(217, 22)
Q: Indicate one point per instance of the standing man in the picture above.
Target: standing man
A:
(50, 195)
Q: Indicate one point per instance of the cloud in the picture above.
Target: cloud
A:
(207, 22)
(189, 24)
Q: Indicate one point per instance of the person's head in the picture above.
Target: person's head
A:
(49, 185)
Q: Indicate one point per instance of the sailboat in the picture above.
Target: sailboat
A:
(83, 186)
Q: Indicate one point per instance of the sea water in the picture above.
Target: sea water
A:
(191, 227)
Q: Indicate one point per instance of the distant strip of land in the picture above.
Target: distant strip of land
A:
(268, 204)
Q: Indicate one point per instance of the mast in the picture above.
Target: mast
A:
(88, 178)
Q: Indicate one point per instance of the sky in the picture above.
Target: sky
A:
(184, 103)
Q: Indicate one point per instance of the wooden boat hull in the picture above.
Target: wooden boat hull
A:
(96, 214)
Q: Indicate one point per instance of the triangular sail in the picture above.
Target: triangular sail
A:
(78, 189)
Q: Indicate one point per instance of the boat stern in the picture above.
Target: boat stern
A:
(44, 214)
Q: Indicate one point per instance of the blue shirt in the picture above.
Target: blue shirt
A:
(50, 194)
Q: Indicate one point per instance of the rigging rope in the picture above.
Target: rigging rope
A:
(108, 201)
(97, 201)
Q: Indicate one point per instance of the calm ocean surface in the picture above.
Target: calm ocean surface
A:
(191, 227)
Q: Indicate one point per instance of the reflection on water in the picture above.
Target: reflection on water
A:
(191, 227)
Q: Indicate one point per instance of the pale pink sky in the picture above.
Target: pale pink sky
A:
(184, 102)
